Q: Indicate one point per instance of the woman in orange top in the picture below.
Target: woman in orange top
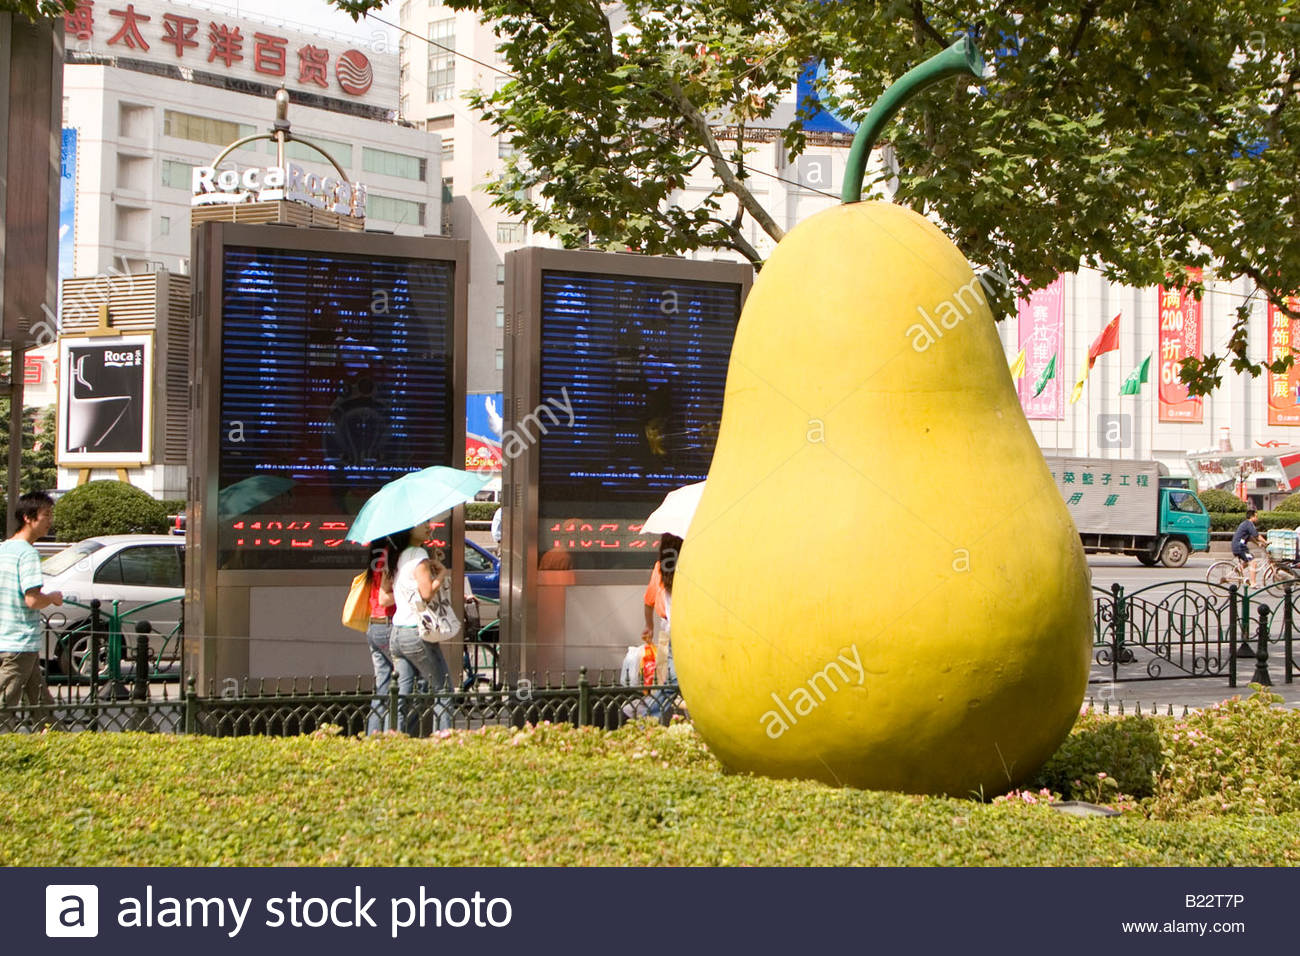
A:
(658, 602)
(382, 607)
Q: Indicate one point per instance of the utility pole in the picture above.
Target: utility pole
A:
(31, 121)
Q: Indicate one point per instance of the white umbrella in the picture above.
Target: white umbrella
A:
(675, 514)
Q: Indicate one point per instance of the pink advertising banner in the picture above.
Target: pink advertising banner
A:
(1180, 338)
(1042, 336)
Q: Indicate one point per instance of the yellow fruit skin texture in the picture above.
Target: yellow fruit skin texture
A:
(876, 494)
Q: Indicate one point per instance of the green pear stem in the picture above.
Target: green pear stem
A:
(959, 59)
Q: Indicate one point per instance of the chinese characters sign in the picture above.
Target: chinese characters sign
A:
(1180, 338)
(1283, 390)
(1042, 336)
(1107, 497)
(209, 41)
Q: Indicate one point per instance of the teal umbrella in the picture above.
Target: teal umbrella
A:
(243, 496)
(405, 502)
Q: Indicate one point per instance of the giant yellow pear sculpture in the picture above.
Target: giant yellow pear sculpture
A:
(881, 587)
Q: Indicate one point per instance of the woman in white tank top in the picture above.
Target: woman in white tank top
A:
(417, 579)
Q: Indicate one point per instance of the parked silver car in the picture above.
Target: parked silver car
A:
(132, 569)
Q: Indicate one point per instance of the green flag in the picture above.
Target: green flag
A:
(1137, 378)
(1049, 373)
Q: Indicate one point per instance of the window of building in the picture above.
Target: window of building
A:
(342, 152)
(501, 360)
(203, 129)
(177, 175)
(389, 209)
(165, 226)
(442, 60)
(134, 172)
(501, 317)
(504, 148)
(501, 273)
(510, 232)
(448, 149)
(132, 224)
(393, 164)
(404, 106)
(134, 121)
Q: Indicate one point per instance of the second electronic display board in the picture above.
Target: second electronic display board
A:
(634, 367)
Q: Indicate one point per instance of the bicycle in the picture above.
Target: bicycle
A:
(480, 653)
(1269, 570)
(1227, 573)
(1278, 571)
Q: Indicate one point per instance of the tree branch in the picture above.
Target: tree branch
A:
(739, 242)
(720, 165)
(1261, 281)
(924, 26)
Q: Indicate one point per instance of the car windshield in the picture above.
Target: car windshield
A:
(58, 563)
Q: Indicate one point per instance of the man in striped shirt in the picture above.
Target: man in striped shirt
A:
(21, 600)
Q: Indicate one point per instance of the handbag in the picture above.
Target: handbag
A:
(356, 609)
(438, 621)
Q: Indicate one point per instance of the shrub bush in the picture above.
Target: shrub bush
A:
(480, 510)
(107, 507)
(1238, 757)
(1291, 503)
(1265, 520)
(1104, 753)
(1216, 499)
(173, 506)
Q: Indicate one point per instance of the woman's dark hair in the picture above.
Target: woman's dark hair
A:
(670, 549)
(390, 548)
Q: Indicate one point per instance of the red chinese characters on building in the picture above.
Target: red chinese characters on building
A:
(179, 31)
(80, 23)
(227, 44)
(313, 66)
(129, 32)
(1179, 337)
(269, 54)
(1284, 388)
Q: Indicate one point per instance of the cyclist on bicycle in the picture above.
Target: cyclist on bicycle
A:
(1245, 535)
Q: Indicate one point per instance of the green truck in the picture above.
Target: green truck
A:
(1123, 507)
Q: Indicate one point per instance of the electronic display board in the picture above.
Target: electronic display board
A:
(336, 377)
(634, 368)
(106, 400)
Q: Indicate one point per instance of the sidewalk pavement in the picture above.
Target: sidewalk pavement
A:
(1185, 694)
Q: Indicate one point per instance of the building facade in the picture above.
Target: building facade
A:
(153, 90)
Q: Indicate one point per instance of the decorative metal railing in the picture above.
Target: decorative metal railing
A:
(1186, 629)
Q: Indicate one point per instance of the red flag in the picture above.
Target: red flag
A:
(1108, 341)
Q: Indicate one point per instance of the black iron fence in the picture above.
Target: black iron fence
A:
(1191, 629)
(275, 711)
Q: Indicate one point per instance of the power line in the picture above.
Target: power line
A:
(507, 73)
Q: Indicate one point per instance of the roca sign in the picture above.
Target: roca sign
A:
(213, 187)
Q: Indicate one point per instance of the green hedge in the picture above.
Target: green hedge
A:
(107, 507)
(1264, 521)
(174, 506)
(1290, 503)
(480, 510)
(1220, 788)
(1216, 499)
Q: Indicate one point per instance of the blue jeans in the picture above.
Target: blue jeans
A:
(377, 638)
(663, 699)
(414, 657)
